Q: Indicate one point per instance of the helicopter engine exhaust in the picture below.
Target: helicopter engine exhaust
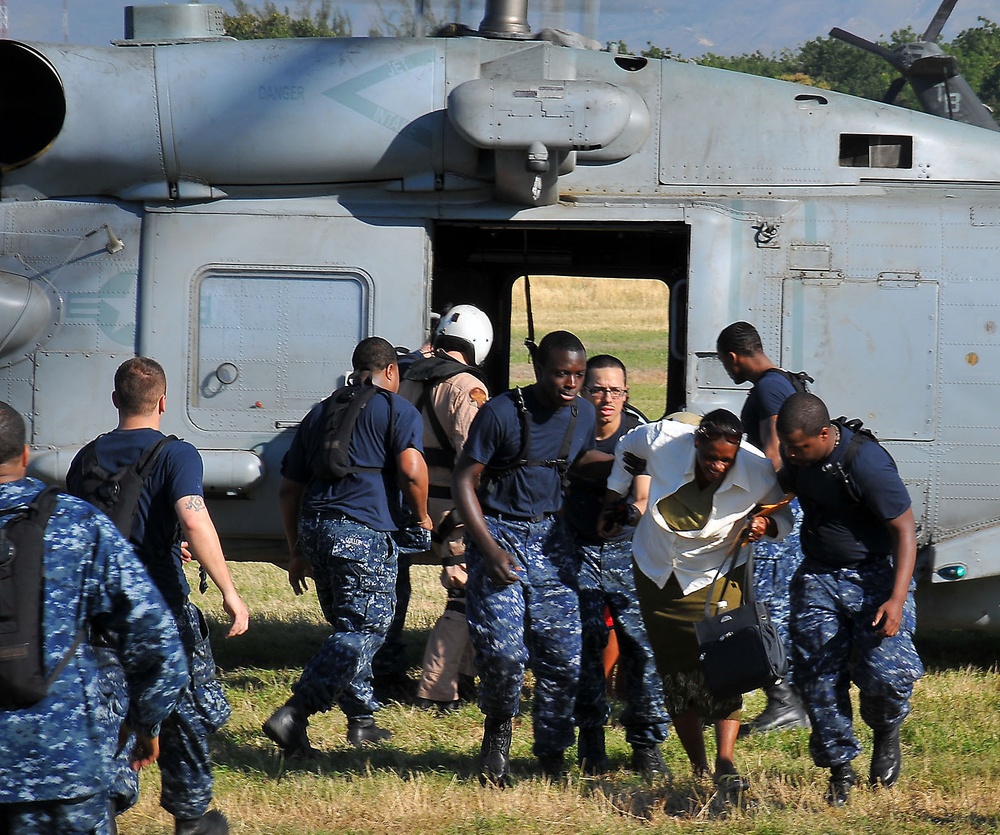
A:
(505, 19)
(33, 105)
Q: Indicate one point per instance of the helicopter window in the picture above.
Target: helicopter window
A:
(863, 150)
(630, 63)
(270, 337)
(625, 317)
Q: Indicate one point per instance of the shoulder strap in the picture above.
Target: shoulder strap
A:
(524, 459)
(444, 456)
(859, 435)
(41, 509)
(436, 368)
(799, 380)
(147, 459)
(743, 539)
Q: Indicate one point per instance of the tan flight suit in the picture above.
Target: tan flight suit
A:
(448, 654)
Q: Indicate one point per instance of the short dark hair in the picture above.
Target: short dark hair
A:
(720, 420)
(12, 433)
(740, 338)
(802, 412)
(373, 354)
(557, 341)
(606, 361)
(139, 384)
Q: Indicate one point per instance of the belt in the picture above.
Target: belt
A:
(510, 517)
(330, 515)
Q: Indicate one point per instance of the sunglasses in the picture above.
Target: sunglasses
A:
(713, 434)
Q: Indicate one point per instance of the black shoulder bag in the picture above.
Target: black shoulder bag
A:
(740, 649)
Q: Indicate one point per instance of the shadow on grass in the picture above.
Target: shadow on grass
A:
(684, 798)
(957, 649)
(281, 644)
(239, 755)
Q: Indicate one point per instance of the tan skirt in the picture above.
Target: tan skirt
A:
(670, 616)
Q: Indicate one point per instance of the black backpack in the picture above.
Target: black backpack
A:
(430, 371)
(860, 435)
(23, 681)
(330, 456)
(799, 379)
(116, 493)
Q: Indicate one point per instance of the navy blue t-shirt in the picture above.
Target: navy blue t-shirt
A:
(495, 440)
(371, 498)
(835, 530)
(585, 499)
(764, 401)
(178, 472)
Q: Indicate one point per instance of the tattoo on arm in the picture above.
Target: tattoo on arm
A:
(195, 503)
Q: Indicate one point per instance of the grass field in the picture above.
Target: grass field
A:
(624, 317)
(424, 781)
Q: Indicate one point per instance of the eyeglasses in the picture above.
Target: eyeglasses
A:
(713, 434)
(600, 391)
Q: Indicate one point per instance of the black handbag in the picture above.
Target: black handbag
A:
(740, 649)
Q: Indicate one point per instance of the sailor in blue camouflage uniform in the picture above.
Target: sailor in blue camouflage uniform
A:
(172, 507)
(522, 588)
(741, 352)
(56, 763)
(852, 605)
(339, 531)
(606, 582)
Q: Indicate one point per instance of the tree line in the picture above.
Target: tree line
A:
(822, 62)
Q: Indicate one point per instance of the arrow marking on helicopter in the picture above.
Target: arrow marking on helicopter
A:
(349, 95)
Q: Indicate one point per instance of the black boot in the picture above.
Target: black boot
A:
(590, 753)
(552, 766)
(648, 760)
(841, 783)
(211, 823)
(886, 758)
(494, 754)
(784, 710)
(287, 728)
(362, 730)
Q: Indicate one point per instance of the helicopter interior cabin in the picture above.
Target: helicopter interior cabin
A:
(611, 282)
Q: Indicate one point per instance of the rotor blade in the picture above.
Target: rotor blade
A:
(894, 89)
(940, 18)
(868, 46)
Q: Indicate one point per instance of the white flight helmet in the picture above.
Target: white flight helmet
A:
(469, 324)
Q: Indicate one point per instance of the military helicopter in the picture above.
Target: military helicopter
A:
(245, 212)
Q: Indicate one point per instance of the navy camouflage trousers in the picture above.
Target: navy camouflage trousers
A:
(80, 816)
(835, 643)
(774, 565)
(538, 616)
(186, 780)
(606, 580)
(185, 763)
(354, 569)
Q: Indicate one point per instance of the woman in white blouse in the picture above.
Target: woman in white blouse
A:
(704, 483)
